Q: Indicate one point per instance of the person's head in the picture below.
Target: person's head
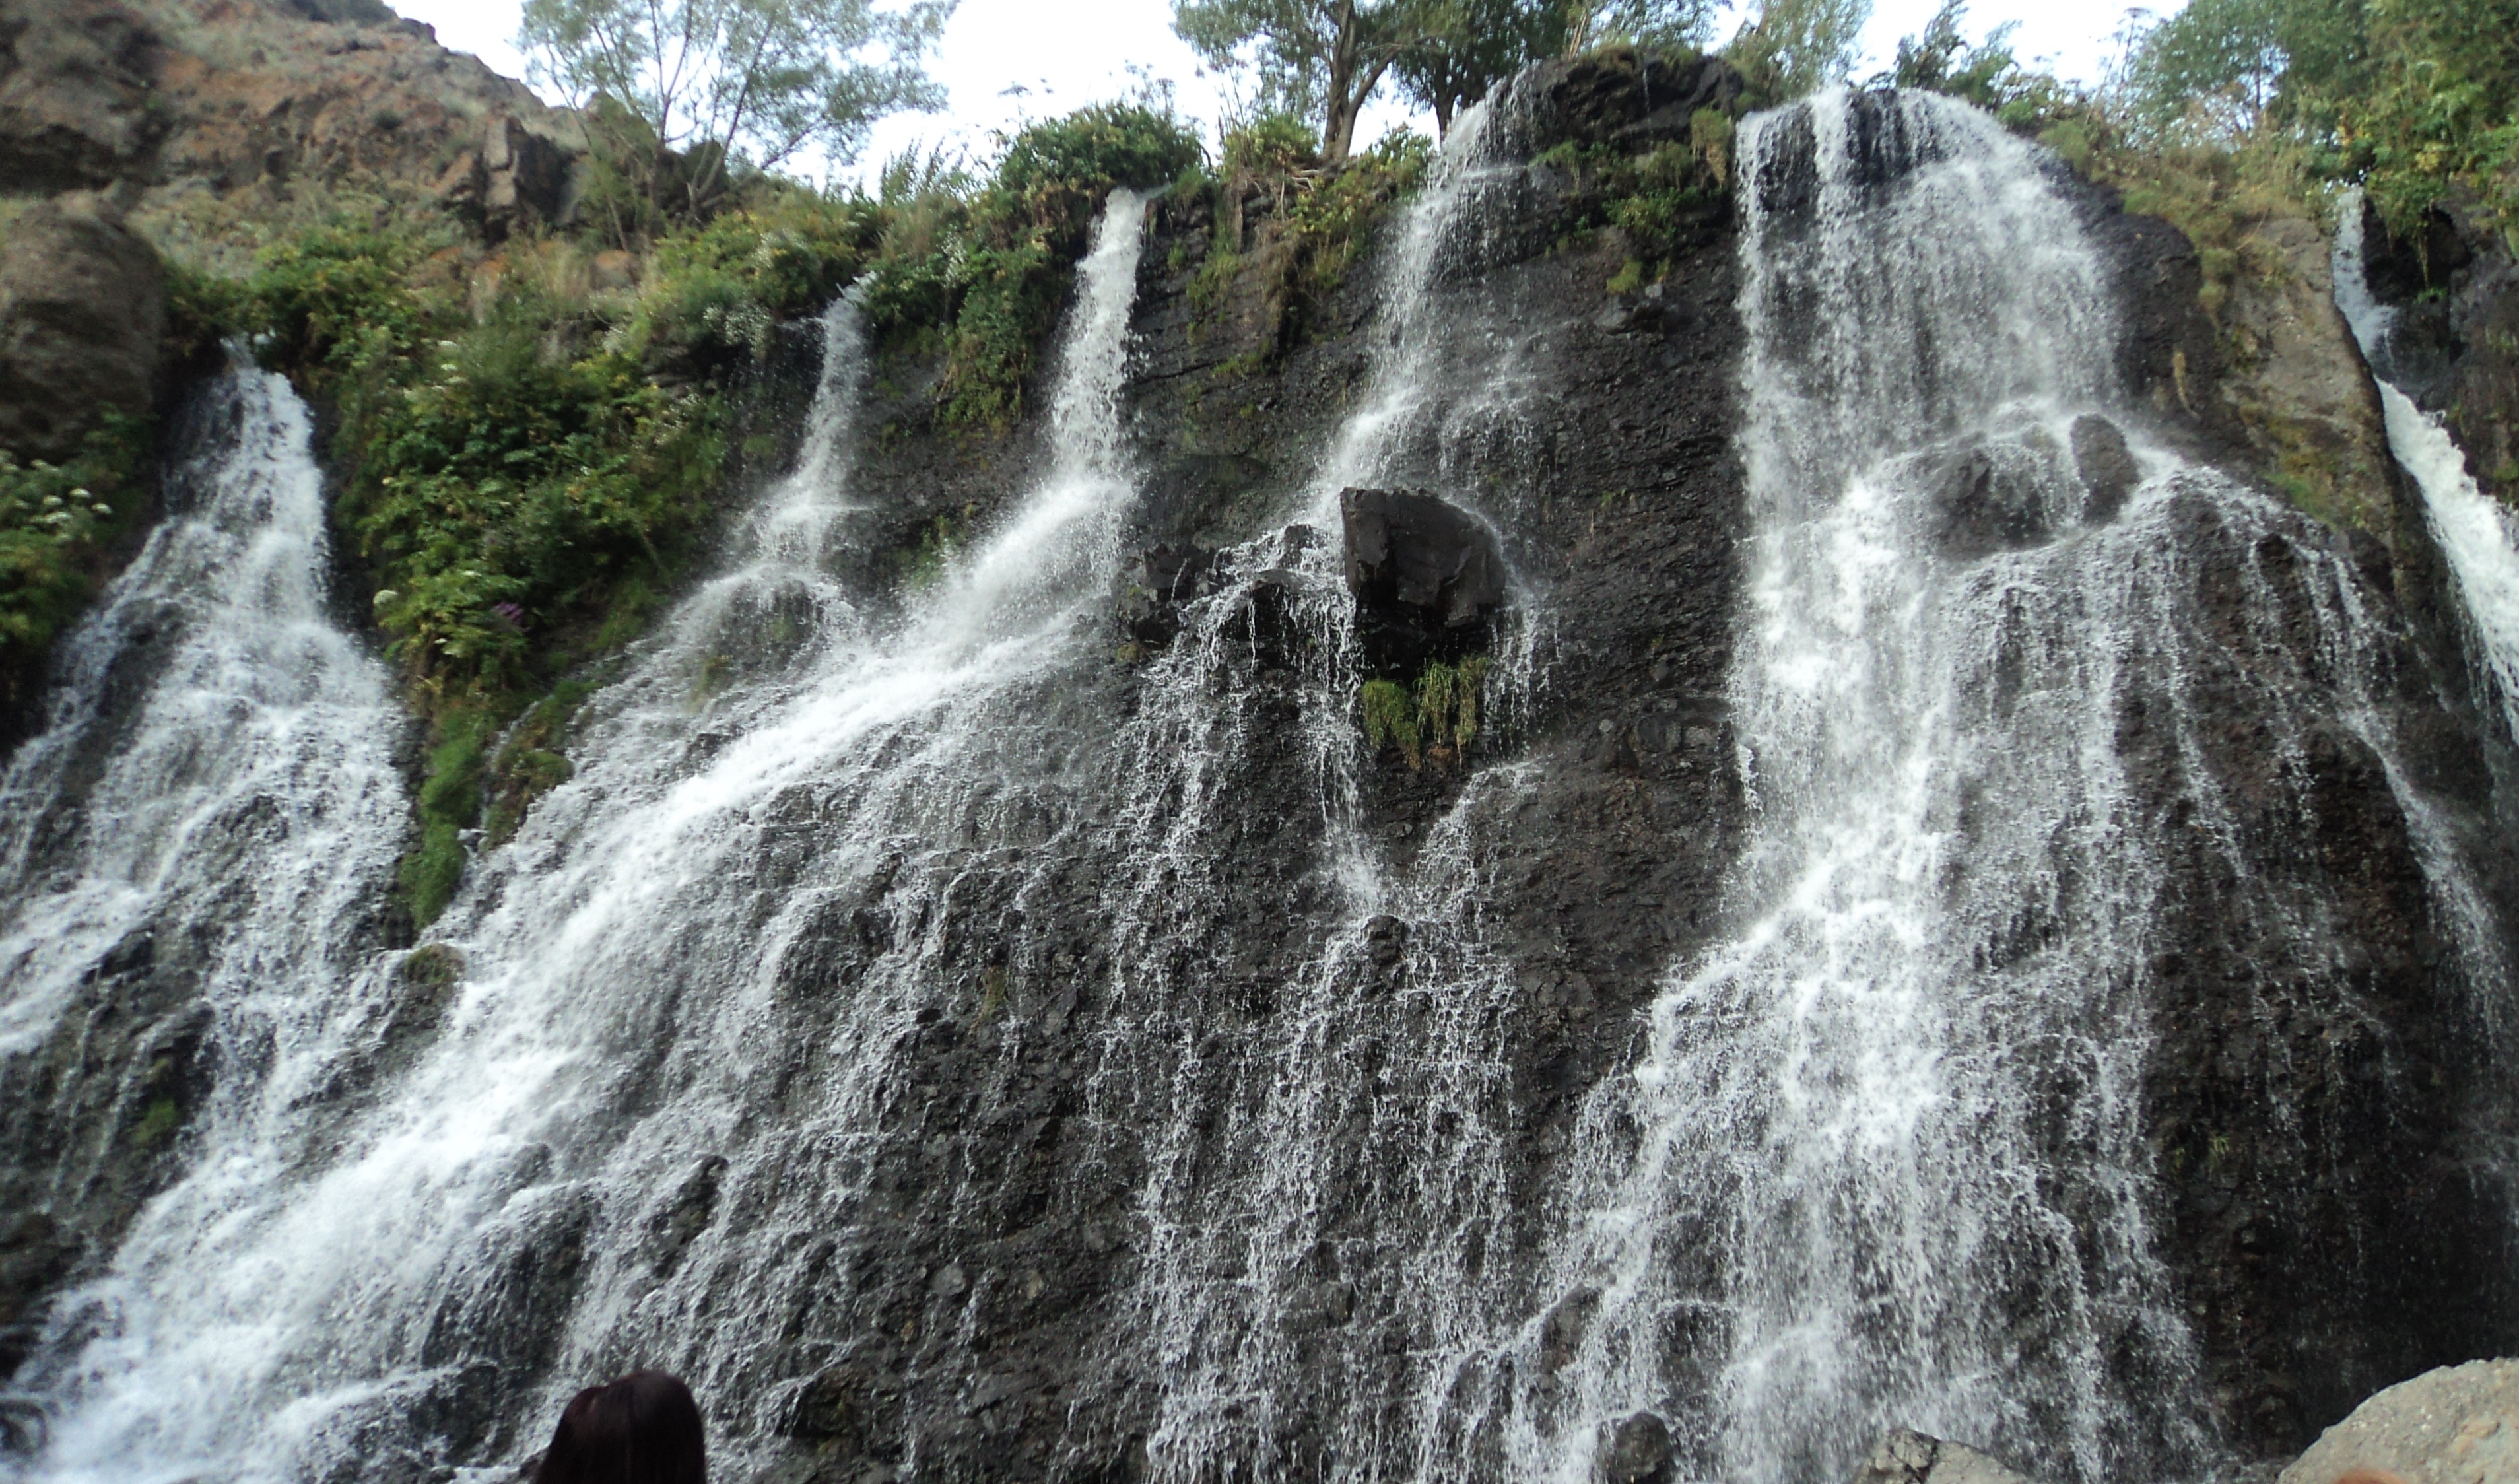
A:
(643, 1429)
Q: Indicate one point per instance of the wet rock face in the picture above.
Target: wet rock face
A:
(2107, 467)
(2455, 348)
(1425, 575)
(82, 307)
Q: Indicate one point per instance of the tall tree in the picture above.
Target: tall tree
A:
(710, 81)
(1464, 48)
(1589, 24)
(1322, 57)
(1792, 47)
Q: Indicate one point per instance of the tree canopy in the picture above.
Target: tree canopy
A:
(708, 82)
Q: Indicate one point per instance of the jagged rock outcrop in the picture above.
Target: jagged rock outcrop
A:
(2459, 1424)
(1425, 575)
(82, 313)
(1907, 1457)
(267, 98)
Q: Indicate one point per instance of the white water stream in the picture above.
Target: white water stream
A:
(216, 749)
(604, 1054)
(2478, 534)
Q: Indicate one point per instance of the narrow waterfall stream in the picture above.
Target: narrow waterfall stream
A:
(217, 751)
(2478, 535)
(214, 805)
(531, 1199)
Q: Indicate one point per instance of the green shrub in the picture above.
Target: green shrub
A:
(56, 524)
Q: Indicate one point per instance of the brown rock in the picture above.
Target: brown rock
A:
(2297, 384)
(2459, 1424)
(74, 94)
(82, 307)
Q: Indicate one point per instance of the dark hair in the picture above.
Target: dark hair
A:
(643, 1429)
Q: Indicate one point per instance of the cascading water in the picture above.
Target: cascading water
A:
(628, 1137)
(2475, 532)
(961, 1050)
(249, 782)
(214, 799)
(1267, 1307)
(1882, 1161)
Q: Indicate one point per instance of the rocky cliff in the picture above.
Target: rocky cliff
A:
(1083, 1117)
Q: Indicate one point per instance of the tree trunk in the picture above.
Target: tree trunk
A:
(1337, 130)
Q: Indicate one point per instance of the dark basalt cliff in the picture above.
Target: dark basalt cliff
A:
(2320, 1102)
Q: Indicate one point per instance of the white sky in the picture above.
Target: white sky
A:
(1066, 54)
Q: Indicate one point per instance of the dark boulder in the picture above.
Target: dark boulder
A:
(1638, 1451)
(1987, 501)
(1426, 576)
(82, 307)
(1165, 578)
(2107, 467)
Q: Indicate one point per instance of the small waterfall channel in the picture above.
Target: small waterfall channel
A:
(2476, 533)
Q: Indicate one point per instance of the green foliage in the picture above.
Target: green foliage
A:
(1317, 59)
(1447, 702)
(449, 803)
(1271, 146)
(698, 84)
(713, 296)
(529, 764)
(1794, 47)
(54, 526)
(2412, 98)
(1334, 219)
(981, 273)
(1653, 197)
(1098, 147)
(1434, 718)
(1390, 719)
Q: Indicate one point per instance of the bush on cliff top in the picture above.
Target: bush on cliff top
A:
(532, 450)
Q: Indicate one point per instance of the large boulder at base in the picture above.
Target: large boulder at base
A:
(83, 306)
(2459, 1424)
(1907, 1457)
(1426, 575)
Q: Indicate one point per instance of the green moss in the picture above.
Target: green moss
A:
(1435, 718)
(529, 764)
(1390, 719)
(448, 804)
(157, 1123)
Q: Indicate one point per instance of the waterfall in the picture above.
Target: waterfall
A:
(1882, 1161)
(2478, 535)
(215, 801)
(630, 1140)
(243, 738)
